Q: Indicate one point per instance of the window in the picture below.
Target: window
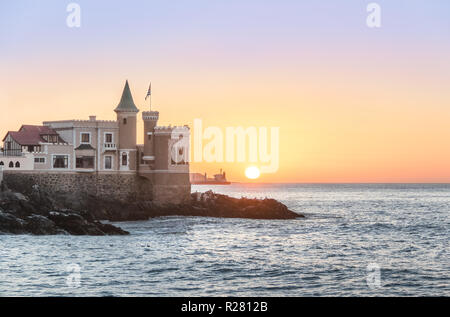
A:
(53, 139)
(124, 159)
(149, 137)
(8, 145)
(30, 148)
(85, 138)
(17, 165)
(85, 162)
(11, 164)
(108, 162)
(1, 163)
(39, 160)
(108, 138)
(124, 120)
(61, 161)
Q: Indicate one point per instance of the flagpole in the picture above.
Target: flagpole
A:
(149, 94)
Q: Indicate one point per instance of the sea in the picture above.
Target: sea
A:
(355, 240)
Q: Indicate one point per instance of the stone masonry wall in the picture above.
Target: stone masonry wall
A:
(123, 187)
(175, 194)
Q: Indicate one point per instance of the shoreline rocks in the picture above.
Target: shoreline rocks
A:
(20, 214)
(41, 213)
(208, 204)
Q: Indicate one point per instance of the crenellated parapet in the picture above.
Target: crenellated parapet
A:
(77, 120)
(165, 130)
(150, 115)
(64, 124)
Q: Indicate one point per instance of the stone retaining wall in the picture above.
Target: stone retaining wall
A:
(174, 194)
(120, 186)
(124, 187)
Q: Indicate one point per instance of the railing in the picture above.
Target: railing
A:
(14, 153)
(109, 147)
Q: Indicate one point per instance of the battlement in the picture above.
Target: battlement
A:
(81, 123)
(172, 129)
(77, 120)
(150, 115)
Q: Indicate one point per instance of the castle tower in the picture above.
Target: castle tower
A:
(150, 119)
(126, 112)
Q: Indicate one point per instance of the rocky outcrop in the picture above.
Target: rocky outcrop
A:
(41, 213)
(207, 204)
(36, 214)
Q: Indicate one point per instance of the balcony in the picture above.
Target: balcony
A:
(12, 153)
(109, 147)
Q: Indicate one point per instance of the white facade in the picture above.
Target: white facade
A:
(92, 145)
(24, 162)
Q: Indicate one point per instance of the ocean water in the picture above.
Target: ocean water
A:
(356, 240)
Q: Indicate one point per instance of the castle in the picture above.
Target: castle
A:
(102, 157)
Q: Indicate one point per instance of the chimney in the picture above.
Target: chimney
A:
(92, 118)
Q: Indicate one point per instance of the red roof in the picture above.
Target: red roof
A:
(31, 134)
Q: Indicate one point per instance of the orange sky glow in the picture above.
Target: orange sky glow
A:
(366, 110)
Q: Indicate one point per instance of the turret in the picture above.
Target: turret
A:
(150, 119)
(126, 116)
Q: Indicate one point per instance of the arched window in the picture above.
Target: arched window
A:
(17, 165)
(11, 164)
(1, 163)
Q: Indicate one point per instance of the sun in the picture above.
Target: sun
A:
(252, 172)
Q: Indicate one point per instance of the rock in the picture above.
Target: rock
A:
(74, 223)
(217, 205)
(110, 229)
(208, 204)
(9, 223)
(20, 196)
(39, 213)
(40, 225)
(34, 214)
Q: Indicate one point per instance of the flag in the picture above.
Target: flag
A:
(149, 92)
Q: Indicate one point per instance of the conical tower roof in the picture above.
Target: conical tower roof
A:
(126, 103)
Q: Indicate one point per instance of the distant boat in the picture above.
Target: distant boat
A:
(202, 179)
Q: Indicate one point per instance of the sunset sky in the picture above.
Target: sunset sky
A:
(353, 103)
